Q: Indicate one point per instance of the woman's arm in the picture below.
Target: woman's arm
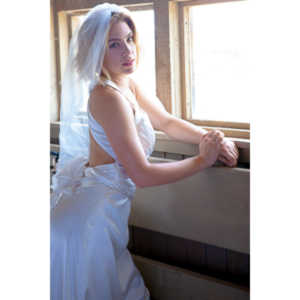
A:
(162, 120)
(116, 117)
(179, 129)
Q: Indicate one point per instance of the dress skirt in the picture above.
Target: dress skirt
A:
(90, 208)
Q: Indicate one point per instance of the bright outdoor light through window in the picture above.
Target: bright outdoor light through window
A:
(220, 62)
(145, 73)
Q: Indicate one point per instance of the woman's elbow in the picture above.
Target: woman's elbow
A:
(141, 177)
(141, 181)
(140, 185)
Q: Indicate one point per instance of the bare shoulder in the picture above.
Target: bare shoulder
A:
(105, 102)
(104, 99)
(101, 96)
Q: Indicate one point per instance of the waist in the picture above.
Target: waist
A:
(78, 174)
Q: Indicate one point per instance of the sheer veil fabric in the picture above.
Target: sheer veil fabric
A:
(90, 206)
(77, 84)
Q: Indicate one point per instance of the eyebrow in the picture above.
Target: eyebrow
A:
(116, 39)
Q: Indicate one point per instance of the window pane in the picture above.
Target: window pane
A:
(75, 20)
(145, 73)
(220, 62)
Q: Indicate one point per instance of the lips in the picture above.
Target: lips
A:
(128, 63)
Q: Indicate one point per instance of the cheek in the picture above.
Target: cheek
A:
(109, 60)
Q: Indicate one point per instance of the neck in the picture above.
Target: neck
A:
(121, 81)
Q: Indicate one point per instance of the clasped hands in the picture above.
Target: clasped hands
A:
(214, 146)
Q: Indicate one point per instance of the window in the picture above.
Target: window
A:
(193, 54)
(220, 62)
(215, 46)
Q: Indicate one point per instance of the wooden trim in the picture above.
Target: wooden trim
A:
(231, 132)
(168, 282)
(73, 5)
(234, 132)
(186, 44)
(224, 124)
(57, 56)
(202, 2)
(137, 7)
(53, 68)
(162, 51)
(63, 38)
(220, 263)
(131, 7)
(168, 67)
(78, 12)
(175, 65)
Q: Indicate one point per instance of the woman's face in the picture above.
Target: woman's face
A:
(120, 55)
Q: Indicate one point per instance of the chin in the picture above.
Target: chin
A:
(129, 70)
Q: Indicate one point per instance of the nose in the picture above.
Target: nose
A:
(127, 48)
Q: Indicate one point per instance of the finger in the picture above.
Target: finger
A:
(220, 133)
(231, 150)
(203, 136)
(236, 153)
(235, 149)
(229, 158)
(222, 159)
(232, 153)
(217, 136)
(225, 161)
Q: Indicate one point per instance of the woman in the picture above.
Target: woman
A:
(101, 164)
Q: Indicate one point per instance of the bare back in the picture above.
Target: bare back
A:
(97, 155)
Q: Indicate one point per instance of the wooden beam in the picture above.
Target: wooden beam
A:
(162, 49)
(71, 5)
(53, 69)
(57, 54)
(185, 53)
(212, 207)
(168, 283)
(175, 62)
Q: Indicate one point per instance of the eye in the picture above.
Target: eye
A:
(114, 45)
(130, 39)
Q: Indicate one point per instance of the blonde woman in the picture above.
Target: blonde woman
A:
(104, 156)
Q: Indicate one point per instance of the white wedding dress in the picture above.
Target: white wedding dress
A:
(90, 207)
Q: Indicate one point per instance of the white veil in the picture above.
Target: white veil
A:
(86, 53)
